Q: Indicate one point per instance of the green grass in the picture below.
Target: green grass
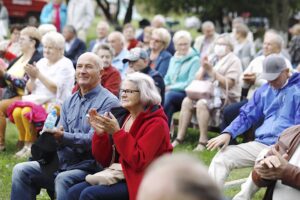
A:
(7, 161)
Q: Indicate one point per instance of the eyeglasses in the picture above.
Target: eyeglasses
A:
(156, 40)
(128, 91)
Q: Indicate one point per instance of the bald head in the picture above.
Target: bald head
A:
(180, 177)
(117, 41)
(273, 43)
(88, 71)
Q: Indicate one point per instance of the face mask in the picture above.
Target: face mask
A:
(220, 50)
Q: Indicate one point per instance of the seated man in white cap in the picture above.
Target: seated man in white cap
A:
(277, 102)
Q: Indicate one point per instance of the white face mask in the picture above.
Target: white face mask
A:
(220, 50)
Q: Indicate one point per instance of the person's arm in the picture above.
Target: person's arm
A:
(163, 65)
(102, 149)
(139, 152)
(249, 114)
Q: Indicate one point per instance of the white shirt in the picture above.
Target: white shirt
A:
(62, 73)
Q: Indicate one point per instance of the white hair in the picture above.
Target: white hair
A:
(182, 34)
(45, 28)
(208, 24)
(148, 92)
(55, 39)
(119, 35)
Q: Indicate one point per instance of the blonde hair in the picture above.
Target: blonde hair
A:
(164, 35)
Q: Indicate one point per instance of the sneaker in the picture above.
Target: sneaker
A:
(24, 152)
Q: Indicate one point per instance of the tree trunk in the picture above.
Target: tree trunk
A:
(105, 7)
(128, 15)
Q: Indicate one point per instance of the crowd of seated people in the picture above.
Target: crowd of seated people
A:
(96, 138)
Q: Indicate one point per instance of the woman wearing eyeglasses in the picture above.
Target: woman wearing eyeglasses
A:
(159, 56)
(138, 132)
(14, 78)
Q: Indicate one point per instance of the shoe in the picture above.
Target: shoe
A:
(24, 152)
(176, 142)
(200, 147)
(2, 147)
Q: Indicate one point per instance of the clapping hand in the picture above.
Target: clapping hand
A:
(32, 70)
(103, 123)
(207, 66)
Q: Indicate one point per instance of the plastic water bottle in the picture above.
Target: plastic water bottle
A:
(50, 121)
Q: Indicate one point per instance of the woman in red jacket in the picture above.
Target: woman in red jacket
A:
(142, 136)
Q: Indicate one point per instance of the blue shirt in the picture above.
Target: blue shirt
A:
(280, 109)
(117, 62)
(75, 146)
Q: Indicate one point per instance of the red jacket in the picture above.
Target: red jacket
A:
(147, 139)
(111, 80)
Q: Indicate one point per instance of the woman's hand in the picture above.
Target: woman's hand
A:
(207, 66)
(32, 71)
(103, 123)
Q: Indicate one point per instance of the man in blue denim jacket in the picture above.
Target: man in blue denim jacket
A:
(277, 102)
(74, 141)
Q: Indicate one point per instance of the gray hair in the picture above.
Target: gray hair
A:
(148, 91)
(164, 35)
(45, 28)
(56, 39)
(276, 38)
(182, 34)
(208, 24)
(118, 35)
(228, 40)
(159, 18)
(106, 47)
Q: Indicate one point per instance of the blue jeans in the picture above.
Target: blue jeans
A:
(28, 179)
(173, 100)
(85, 191)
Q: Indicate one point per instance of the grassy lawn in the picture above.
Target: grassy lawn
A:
(7, 161)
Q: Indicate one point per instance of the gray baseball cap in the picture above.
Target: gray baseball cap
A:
(273, 65)
(135, 54)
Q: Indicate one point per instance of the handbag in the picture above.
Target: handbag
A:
(109, 176)
(200, 89)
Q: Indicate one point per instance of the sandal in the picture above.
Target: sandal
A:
(176, 142)
(200, 147)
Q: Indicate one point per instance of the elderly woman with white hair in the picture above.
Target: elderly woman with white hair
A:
(159, 56)
(224, 72)
(182, 69)
(139, 136)
(50, 81)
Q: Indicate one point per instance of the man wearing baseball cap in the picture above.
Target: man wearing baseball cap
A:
(138, 61)
(276, 102)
